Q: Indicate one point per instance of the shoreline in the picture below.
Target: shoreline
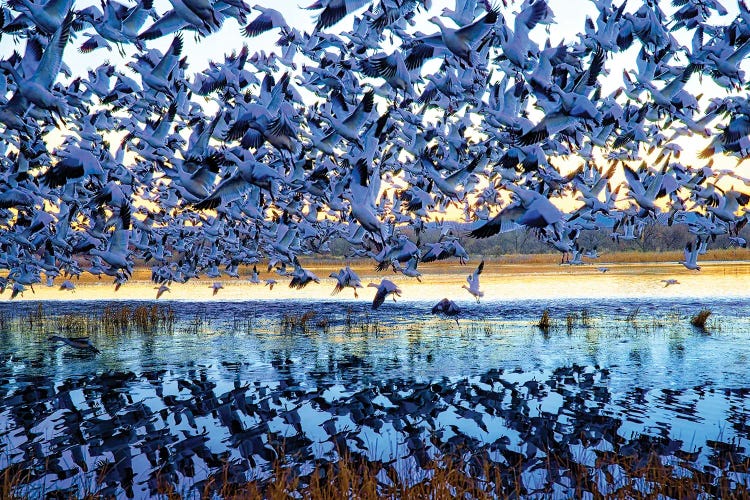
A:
(500, 281)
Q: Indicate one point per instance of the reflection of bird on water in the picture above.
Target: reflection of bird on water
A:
(448, 308)
(161, 289)
(82, 343)
(216, 287)
(670, 281)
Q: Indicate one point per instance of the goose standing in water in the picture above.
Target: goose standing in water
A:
(473, 280)
(385, 288)
(81, 343)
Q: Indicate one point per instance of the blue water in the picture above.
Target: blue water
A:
(403, 340)
(227, 383)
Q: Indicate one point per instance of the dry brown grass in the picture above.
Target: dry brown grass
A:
(112, 319)
(453, 475)
(545, 322)
(298, 322)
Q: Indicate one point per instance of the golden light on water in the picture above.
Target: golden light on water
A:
(500, 282)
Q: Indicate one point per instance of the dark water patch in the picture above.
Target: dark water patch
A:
(133, 435)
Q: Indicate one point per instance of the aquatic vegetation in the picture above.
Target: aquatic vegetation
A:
(297, 322)
(633, 315)
(545, 322)
(360, 322)
(112, 319)
(347, 404)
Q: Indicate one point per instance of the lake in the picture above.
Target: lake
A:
(212, 383)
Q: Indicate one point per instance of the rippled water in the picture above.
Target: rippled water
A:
(661, 375)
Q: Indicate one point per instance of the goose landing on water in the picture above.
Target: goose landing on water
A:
(473, 280)
(161, 289)
(691, 257)
(447, 308)
(385, 288)
(81, 343)
(346, 277)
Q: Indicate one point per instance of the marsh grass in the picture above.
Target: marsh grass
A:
(196, 325)
(360, 323)
(111, 320)
(474, 328)
(545, 322)
(467, 474)
(632, 316)
(291, 323)
(570, 320)
(700, 320)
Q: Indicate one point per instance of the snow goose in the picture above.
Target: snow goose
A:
(473, 280)
(46, 18)
(37, 88)
(459, 42)
(346, 277)
(385, 288)
(267, 20)
(334, 11)
(301, 277)
(447, 308)
(691, 257)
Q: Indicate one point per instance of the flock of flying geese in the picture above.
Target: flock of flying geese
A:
(355, 135)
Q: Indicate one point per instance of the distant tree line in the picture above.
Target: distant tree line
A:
(653, 238)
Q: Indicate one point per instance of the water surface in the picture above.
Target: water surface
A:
(232, 377)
